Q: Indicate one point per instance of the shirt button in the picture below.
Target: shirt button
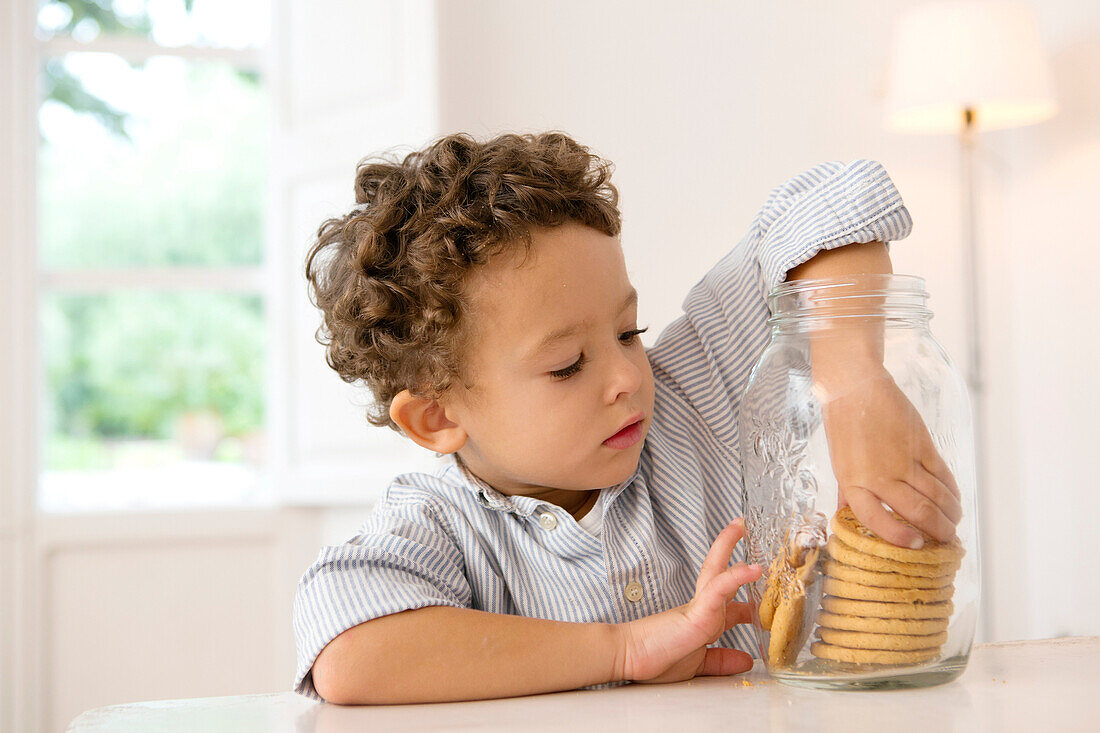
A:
(633, 591)
(548, 520)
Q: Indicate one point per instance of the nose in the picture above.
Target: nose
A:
(625, 377)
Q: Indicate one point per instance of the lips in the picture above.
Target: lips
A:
(628, 434)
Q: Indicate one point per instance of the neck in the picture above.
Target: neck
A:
(576, 502)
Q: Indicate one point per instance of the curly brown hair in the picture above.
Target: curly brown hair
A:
(389, 276)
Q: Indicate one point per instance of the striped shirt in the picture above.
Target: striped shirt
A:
(450, 539)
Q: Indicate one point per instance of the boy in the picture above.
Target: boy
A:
(580, 533)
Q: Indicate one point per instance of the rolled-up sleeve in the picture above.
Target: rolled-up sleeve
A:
(707, 353)
(403, 558)
(827, 206)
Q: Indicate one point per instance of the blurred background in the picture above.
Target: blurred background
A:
(173, 448)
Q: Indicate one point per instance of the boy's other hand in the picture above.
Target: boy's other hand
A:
(672, 646)
(881, 451)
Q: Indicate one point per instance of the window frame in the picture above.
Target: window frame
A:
(313, 146)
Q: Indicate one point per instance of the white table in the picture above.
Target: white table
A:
(1052, 684)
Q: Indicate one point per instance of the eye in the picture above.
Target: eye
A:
(626, 338)
(569, 370)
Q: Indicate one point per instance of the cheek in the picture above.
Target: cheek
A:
(642, 362)
(536, 406)
(562, 411)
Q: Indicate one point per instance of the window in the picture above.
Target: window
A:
(152, 190)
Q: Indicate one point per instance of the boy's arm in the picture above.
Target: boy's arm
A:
(862, 347)
(880, 448)
(440, 654)
(707, 355)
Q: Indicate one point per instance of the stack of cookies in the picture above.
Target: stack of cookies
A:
(884, 604)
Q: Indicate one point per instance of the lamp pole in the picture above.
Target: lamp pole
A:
(974, 371)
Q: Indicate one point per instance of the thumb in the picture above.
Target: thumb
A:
(719, 661)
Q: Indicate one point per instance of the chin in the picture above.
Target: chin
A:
(631, 464)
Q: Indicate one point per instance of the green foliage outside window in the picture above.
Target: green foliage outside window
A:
(128, 366)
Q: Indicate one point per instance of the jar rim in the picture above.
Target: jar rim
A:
(833, 300)
(895, 283)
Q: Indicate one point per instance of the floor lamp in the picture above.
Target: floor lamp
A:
(962, 68)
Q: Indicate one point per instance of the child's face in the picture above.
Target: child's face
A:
(528, 430)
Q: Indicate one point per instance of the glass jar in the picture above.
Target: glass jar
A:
(920, 617)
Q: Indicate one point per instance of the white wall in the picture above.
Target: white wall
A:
(1051, 186)
(705, 106)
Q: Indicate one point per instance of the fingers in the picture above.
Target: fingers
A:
(719, 661)
(934, 490)
(933, 462)
(922, 499)
(737, 612)
(714, 596)
(718, 557)
(869, 510)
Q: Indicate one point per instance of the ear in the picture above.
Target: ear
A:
(426, 424)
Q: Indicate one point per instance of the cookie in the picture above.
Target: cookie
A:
(852, 574)
(842, 552)
(771, 591)
(876, 609)
(844, 589)
(871, 656)
(845, 525)
(894, 642)
(790, 556)
(788, 626)
(914, 626)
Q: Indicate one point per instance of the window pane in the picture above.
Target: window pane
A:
(221, 23)
(160, 165)
(152, 400)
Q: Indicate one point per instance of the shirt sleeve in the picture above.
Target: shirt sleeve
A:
(403, 558)
(707, 354)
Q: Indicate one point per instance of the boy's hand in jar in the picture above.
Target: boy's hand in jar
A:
(882, 451)
(673, 645)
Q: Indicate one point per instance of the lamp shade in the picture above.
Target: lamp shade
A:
(985, 55)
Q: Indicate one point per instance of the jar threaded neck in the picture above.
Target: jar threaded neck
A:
(799, 305)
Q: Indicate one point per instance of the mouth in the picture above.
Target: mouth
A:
(628, 434)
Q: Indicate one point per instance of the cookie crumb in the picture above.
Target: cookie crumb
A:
(746, 683)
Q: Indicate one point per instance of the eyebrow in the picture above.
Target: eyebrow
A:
(559, 334)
